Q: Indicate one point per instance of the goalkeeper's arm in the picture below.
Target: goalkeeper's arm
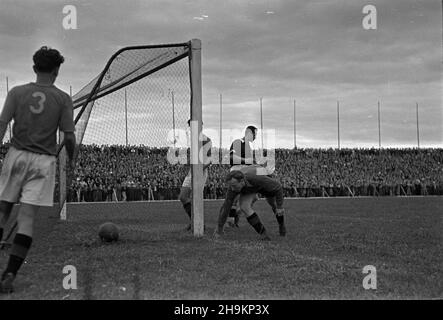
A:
(224, 211)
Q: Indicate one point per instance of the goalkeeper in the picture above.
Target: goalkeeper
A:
(247, 184)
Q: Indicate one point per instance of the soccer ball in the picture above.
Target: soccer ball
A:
(108, 232)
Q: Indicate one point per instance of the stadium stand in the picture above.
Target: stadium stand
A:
(133, 173)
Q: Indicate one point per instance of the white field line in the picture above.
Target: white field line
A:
(287, 198)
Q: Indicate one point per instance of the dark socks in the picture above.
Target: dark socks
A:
(280, 219)
(19, 250)
(233, 213)
(1, 234)
(255, 222)
(187, 206)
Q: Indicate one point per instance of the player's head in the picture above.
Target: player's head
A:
(47, 60)
(235, 180)
(250, 133)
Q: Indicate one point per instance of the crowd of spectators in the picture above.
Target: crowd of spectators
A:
(360, 172)
(131, 173)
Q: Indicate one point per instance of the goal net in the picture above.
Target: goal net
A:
(128, 119)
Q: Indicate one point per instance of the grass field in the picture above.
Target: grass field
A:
(329, 242)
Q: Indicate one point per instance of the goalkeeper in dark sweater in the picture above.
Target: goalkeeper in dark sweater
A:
(248, 183)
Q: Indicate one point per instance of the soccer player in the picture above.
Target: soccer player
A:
(247, 183)
(28, 172)
(241, 151)
(186, 189)
(241, 155)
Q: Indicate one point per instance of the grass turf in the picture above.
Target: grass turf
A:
(329, 241)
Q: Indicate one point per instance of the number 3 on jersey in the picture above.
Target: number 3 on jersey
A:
(41, 103)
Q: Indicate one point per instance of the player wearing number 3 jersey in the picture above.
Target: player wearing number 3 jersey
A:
(28, 171)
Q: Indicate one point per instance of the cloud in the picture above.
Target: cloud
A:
(316, 52)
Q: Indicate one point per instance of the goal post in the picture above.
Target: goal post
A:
(196, 143)
(143, 96)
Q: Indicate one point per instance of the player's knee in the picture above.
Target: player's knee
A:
(25, 223)
(27, 212)
(246, 209)
(25, 217)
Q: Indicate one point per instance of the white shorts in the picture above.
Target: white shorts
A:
(187, 183)
(27, 177)
(241, 198)
(247, 201)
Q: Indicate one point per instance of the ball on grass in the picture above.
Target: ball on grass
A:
(108, 232)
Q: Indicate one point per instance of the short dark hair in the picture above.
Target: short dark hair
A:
(47, 59)
(237, 175)
(253, 129)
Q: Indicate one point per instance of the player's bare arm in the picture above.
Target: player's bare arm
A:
(70, 145)
(3, 127)
(7, 113)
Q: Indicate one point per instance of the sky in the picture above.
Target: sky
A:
(316, 53)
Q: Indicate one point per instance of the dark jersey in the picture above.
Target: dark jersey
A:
(242, 149)
(38, 110)
(266, 186)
